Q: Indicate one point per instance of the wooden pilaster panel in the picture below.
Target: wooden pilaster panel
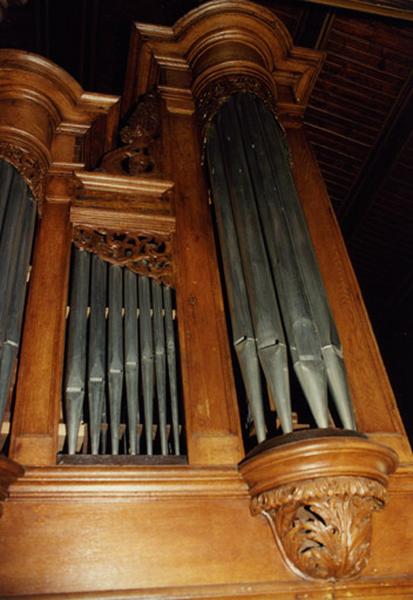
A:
(211, 413)
(38, 390)
(375, 405)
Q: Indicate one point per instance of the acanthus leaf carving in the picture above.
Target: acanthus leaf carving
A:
(147, 254)
(141, 154)
(323, 526)
(29, 166)
(218, 91)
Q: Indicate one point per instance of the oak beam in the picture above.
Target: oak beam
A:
(396, 9)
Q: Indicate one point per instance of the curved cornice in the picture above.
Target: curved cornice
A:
(45, 117)
(34, 72)
(218, 40)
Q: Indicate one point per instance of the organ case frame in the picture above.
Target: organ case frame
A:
(189, 67)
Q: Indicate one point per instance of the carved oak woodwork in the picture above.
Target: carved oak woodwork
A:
(318, 491)
(324, 525)
(134, 514)
(28, 165)
(216, 93)
(146, 254)
(141, 153)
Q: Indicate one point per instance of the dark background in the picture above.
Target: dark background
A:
(360, 123)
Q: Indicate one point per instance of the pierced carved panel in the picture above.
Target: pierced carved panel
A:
(215, 94)
(323, 526)
(29, 166)
(141, 154)
(144, 253)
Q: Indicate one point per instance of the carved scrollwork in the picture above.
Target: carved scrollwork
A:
(141, 153)
(216, 93)
(144, 253)
(29, 166)
(323, 526)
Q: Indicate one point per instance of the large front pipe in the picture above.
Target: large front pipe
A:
(263, 303)
(302, 333)
(241, 323)
(304, 254)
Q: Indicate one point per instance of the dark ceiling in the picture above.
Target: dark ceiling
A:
(360, 123)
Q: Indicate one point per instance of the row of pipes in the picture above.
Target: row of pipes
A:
(120, 344)
(17, 223)
(275, 292)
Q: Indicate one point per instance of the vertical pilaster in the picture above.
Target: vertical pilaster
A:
(374, 402)
(38, 389)
(211, 413)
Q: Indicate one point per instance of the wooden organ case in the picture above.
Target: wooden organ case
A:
(294, 519)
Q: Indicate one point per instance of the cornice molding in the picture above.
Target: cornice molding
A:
(219, 40)
(46, 116)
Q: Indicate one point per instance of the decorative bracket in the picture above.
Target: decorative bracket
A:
(318, 491)
(147, 254)
(141, 154)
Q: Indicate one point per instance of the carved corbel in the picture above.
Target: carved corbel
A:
(318, 491)
(147, 254)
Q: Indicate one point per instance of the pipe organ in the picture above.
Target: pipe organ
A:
(125, 471)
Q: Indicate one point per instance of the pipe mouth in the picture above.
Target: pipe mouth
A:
(298, 436)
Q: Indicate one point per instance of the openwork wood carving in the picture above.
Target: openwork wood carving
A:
(141, 153)
(323, 526)
(29, 167)
(215, 94)
(144, 253)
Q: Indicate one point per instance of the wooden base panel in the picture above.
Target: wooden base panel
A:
(68, 532)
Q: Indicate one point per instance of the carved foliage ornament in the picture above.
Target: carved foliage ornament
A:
(216, 93)
(144, 253)
(30, 168)
(323, 526)
(141, 153)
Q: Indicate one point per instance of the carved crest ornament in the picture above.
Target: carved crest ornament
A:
(216, 93)
(141, 152)
(146, 254)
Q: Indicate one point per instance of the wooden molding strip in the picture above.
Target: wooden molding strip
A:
(106, 182)
(373, 588)
(110, 484)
